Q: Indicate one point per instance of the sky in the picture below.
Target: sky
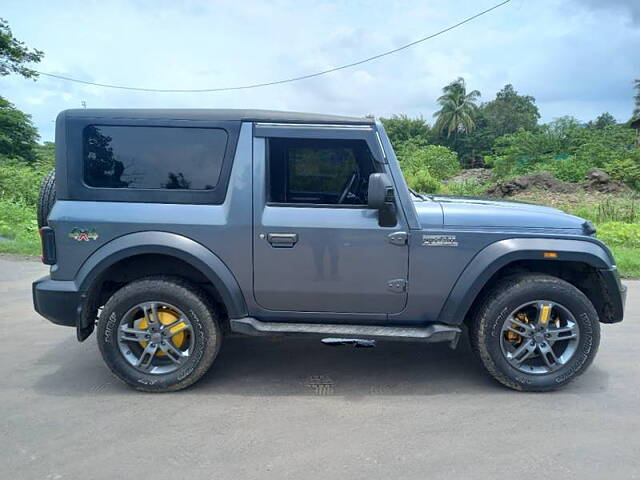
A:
(575, 57)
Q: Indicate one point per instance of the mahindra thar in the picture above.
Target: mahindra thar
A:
(167, 230)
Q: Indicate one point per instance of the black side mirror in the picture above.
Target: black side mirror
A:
(381, 197)
(380, 190)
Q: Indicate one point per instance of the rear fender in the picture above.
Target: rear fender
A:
(170, 244)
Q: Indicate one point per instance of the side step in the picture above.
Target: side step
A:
(430, 334)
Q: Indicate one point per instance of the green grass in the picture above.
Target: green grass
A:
(19, 228)
(617, 221)
(627, 260)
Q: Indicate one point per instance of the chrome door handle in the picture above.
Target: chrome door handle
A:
(282, 240)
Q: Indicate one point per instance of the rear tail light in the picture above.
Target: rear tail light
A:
(48, 241)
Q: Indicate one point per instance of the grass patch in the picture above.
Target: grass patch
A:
(616, 217)
(627, 260)
(465, 188)
(19, 229)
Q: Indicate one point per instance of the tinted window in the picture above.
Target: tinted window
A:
(153, 157)
(319, 171)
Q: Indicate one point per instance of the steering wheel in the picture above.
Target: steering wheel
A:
(347, 187)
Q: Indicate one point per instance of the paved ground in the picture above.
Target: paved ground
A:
(301, 410)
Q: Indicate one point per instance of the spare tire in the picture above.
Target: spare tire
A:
(46, 198)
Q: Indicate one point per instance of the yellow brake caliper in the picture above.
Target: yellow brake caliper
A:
(513, 337)
(166, 317)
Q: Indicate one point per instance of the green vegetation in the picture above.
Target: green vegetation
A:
(14, 55)
(503, 135)
(19, 187)
(616, 217)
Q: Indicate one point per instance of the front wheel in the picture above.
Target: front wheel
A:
(535, 332)
(158, 334)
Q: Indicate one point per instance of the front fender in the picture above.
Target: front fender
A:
(499, 254)
(170, 244)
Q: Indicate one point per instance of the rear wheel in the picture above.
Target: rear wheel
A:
(535, 332)
(158, 334)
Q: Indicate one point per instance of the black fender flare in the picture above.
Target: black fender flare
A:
(499, 254)
(170, 244)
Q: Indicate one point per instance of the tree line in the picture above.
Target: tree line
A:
(503, 134)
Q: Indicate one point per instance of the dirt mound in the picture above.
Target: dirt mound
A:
(599, 181)
(481, 175)
(537, 181)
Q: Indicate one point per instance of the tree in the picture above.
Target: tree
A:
(457, 109)
(18, 136)
(401, 128)
(604, 120)
(636, 98)
(14, 54)
(510, 112)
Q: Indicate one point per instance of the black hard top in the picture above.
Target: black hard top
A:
(217, 114)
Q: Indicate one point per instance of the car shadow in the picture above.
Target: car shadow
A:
(251, 366)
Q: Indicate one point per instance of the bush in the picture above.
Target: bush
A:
(422, 181)
(19, 228)
(569, 168)
(20, 183)
(568, 150)
(438, 161)
(626, 168)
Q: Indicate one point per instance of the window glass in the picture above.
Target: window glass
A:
(319, 171)
(153, 157)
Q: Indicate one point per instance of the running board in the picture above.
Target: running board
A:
(430, 334)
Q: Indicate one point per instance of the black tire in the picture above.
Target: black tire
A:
(185, 297)
(486, 334)
(46, 198)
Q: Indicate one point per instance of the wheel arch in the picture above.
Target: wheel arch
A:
(180, 249)
(579, 262)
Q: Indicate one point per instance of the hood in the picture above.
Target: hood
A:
(478, 212)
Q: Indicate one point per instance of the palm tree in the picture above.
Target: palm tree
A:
(636, 111)
(457, 109)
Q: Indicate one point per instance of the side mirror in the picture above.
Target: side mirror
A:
(380, 190)
(381, 197)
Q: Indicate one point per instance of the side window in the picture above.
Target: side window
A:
(322, 172)
(166, 158)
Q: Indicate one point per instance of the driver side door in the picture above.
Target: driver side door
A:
(317, 247)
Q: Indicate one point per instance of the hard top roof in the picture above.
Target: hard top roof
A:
(217, 114)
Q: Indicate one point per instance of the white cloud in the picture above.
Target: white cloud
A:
(576, 58)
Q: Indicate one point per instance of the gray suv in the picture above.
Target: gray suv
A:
(168, 230)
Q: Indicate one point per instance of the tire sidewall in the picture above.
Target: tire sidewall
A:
(205, 330)
(565, 295)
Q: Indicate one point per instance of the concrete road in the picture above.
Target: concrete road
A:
(301, 410)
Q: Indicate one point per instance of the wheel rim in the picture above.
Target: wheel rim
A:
(539, 337)
(155, 337)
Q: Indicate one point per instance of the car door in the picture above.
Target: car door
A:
(316, 246)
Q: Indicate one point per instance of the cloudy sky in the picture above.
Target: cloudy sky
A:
(576, 57)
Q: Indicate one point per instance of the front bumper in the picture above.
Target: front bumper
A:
(58, 301)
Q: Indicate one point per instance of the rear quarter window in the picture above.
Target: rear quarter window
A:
(153, 158)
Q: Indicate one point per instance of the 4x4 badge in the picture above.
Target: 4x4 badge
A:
(82, 235)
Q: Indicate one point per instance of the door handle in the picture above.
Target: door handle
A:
(282, 240)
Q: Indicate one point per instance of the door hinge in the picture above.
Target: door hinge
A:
(398, 238)
(398, 285)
